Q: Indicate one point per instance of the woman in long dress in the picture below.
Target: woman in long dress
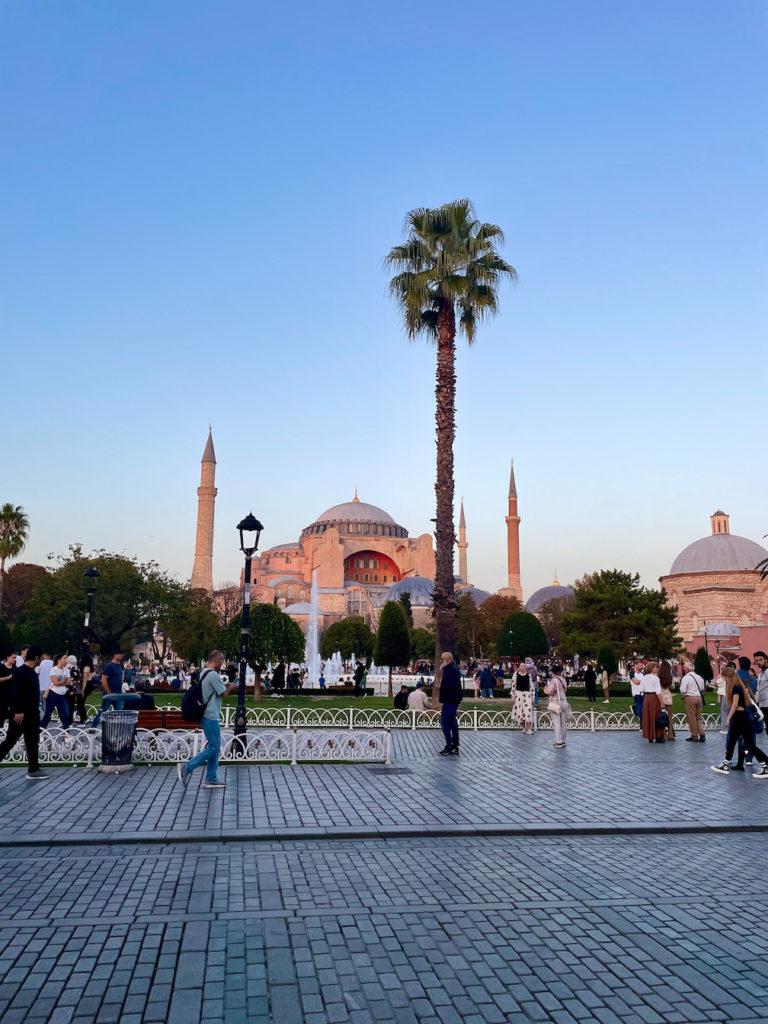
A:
(522, 698)
(652, 705)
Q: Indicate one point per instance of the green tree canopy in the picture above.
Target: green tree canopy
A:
(273, 636)
(447, 274)
(606, 659)
(703, 665)
(612, 609)
(422, 644)
(405, 601)
(19, 585)
(550, 615)
(477, 628)
(131, 598)
(193, 627)
(348, 636)
(14, 530)
(522, 636)
(393, 643)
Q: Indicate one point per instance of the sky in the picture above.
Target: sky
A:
(197, 200)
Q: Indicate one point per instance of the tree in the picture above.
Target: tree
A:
(348, 636)
(612, 609)
(14, 530)
(133, 596)
(448, 267)
(18, 587)
(6, 640)
(405, 601)
(393, 644)
(492, 614)
(703, 665)
(422, 644)
(550, 615)
(227, 602)
(467, 630)
(272, 636)
(606, 659)
(193, 627)
(522, 636)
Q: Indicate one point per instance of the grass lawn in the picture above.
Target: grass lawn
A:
(577, 703)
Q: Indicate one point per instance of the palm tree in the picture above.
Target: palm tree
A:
(447, 273)
(14, 530)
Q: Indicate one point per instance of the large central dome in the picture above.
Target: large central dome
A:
(356, 518)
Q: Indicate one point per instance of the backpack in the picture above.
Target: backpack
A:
(192, 704)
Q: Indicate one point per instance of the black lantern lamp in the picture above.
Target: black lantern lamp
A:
(91, 579)
(250, 531)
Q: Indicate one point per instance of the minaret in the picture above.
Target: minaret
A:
(202, 571)
(462, 546)
(513, 587)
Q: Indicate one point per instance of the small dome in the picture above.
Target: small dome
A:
(721, 552)
(477, 595)
(300, 608)
(723, 629)
(540, 597)
(419, 587)
(284, 547)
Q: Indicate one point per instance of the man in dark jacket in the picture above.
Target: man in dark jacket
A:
(590, 679)
(25, 712)
(451, 695)
(401, 699)
(359, 676)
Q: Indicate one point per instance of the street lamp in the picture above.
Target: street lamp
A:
(250, 530)
(91, 579)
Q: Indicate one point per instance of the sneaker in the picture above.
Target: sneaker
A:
(454, 750)
(214, 785)
(702, 739)
(445, 752)
(558, 746)
(182, 774)
(749, 762)
(39, 774)
(691, 739)
(606, 702)
(722, 769)
(762, 774)
(723, 732)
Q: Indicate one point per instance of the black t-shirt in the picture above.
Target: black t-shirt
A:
(738, 696)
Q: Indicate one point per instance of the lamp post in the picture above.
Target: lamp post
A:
(250, 530)
(91, 579)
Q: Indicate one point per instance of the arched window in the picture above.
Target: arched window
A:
(357, 577)
(385, 578)
(695, 621)
(394, 578)
(376, 578)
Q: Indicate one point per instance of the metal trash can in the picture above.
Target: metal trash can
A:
(118, 733)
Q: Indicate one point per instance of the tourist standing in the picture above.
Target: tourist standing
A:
(692, 691)
(760, 659)
(590, 680)
(739, 727)
(486, 682)
(6, 674)
(522, 698)
(665, 678)
(450, 696)
(476, 681)
(558, 705)
(359, 676)
(213, 689)
(636, 689)
(605, 684)
(44, 678)
(75, 701)
(25, 708)
(652, 706)
(56, 694)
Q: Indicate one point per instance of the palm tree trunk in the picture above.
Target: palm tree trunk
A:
(2, 580)
(445, 393)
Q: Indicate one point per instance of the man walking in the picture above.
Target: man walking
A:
(25, 712)
(451, 695)
(760, 659)
(213, 690)
(692, 691)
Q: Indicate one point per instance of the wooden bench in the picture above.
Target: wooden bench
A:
(153, 720)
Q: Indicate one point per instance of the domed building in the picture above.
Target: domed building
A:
(544, 594)
(359, 553)
(714, 580)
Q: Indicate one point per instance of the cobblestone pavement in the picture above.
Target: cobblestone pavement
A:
(399, 931)
(501, 780)
(365, 925)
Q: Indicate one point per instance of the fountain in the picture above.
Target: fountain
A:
(312, 649)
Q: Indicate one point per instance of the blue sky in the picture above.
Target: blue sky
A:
(197, 200)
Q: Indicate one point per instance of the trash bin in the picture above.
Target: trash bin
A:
(118, 732)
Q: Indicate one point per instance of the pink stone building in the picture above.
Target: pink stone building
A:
(714, 580)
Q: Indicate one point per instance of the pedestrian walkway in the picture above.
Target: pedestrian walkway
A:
(125, 906)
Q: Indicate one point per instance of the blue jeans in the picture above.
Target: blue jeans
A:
(53, 701)
(109, 702)
(487, 691)
(638, 705)
(450, 724)
(210, 753)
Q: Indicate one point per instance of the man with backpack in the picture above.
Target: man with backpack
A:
(206, 696)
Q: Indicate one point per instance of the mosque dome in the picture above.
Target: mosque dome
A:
(418, 587)
(722, 551)
(477, 595)
(358, 518)
(541, 596)
(299, 608)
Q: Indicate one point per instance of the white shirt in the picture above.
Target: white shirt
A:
(60, 676)
(636, 684)
(44, 672)
(651, 683)
(417, 701)
(692, 685)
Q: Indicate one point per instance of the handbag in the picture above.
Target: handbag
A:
(662, 720)
(756, 718)
(557, 704)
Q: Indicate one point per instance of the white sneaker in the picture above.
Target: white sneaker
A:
(214, 785)
(762, 774)
(721, 769)
(182, 774)
(723, 732)
(606, 702)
